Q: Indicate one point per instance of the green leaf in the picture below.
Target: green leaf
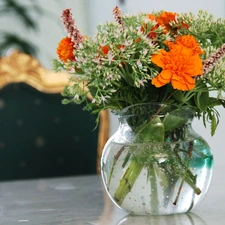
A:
(174, 120)
(12, 39)
(213, 125)
(66, 101)
(151, 131)
(214, 102)
(178, 95)
(202, 100)
(20, 11)
(204, 119)
(93, 90)
(222, 102)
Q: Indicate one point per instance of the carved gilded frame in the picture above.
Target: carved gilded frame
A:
(20, 67)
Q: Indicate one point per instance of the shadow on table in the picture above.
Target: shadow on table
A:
(181, 219)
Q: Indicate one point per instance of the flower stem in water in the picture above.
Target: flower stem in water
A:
(127, 181)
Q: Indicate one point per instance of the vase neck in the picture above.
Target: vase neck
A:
(155, 123)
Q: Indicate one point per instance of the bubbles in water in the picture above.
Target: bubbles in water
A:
(163, 184)
(161, 160)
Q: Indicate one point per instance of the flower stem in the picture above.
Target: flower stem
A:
(178, 193)
(154, 201)
(127, 181)
(186, 174)
(114, 163)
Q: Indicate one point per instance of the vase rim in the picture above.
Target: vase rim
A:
(126, 112)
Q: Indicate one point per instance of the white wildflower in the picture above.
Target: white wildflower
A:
(104, 99)
(109, 77)
(128, 43)
(110, 56)
(139, 64)
(140, 83)
(76, 97)
(97, 60)
(81, 60)
(145, 52)
(99, 66)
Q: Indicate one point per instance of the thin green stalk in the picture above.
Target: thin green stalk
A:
(190, 150)
(151, 131)
(126, 159)
(179, 191)
(127, 181)
(189, 178)
(192, 202)
(154, 200)
(114, 163)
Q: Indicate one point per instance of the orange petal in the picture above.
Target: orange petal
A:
(189, 79)
(198, 65)
(157, 83)
(170, 44)
(182, 85)
(163, 78)
(178, 85)
(158, 58)
(166, 75)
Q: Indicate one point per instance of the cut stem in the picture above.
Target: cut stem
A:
(127, 181)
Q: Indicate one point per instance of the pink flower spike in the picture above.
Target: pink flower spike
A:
(118, 16)
(71, 28)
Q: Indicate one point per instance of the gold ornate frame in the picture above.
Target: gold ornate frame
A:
(20, 67)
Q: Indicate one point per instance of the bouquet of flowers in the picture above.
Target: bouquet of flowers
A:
(158, 57)
(161, 57)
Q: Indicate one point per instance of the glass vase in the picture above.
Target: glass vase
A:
(156, 164)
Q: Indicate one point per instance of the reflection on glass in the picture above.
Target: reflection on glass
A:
(177, 219)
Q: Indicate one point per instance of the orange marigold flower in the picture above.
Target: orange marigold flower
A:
(65, 50)
(104, 49)
(121, 47)
(151, 34)
(165, 18)
(137, 40)
(143, 28)
(151, 17)
(184, 25)
(188, 41)
(178, 65)
(162, 20)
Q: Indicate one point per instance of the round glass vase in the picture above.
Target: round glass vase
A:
(155, 164)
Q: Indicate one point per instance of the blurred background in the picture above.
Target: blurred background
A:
(34, 27)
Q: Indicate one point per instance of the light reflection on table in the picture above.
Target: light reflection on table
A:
(179, 219)
(83, 201)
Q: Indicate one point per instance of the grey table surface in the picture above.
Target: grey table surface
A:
(82, 200)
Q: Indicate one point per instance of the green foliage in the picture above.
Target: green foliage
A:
(20, 11)
(173, 120)
(27, 15)
(14, 9)
(122, 74)
(154, 127)
(10, 40)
